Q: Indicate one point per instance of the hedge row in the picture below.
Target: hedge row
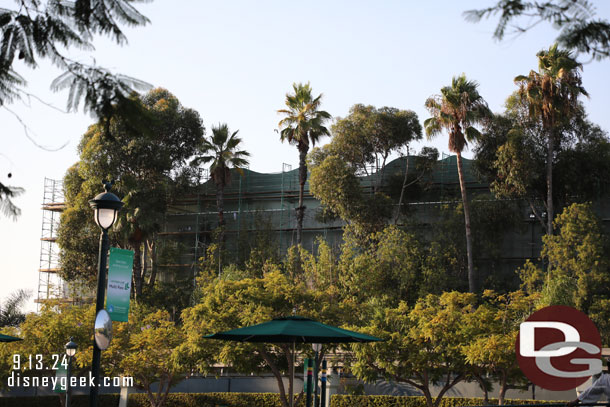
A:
(141, 400)
(246, 400)
(339, 400)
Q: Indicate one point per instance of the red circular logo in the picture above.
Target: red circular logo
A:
(558, 348)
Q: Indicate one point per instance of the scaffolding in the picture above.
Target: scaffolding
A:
(255, 203)
(50, 285)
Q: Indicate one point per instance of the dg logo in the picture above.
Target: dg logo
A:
(558, 348)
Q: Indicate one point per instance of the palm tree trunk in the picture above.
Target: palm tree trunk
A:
(549, 184)
(303, 148)
(472, 286)
(220, 201)
(138, 276)
(404, 186)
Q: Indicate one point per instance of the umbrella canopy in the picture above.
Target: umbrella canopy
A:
(7, 338)
(293, 329)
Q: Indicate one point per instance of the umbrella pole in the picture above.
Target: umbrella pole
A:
(292, 378)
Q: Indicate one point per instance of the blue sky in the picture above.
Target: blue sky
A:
(234, 61)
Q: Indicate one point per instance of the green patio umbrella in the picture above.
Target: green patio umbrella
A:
(7, 338)
(293, 329)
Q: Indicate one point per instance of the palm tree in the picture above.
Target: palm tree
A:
(302, 126)
(222, 151)
(457, 109)
(11, 311)
(551, 96)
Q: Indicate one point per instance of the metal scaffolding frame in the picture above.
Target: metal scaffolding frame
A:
(50, 284)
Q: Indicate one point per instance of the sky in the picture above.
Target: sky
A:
(234, 62)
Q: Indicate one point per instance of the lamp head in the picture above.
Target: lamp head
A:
(71, 347)
(106, 207)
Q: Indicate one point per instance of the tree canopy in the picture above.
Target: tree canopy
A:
(146, 162)
(361, 145)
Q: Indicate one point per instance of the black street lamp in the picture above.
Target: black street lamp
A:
(70, 352)
(316, 348)
(106, 206)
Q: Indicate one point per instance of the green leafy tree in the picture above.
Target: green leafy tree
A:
(225, 304)
(303, 125)
(579, 269)
(46, 333)
(458, 109)
(494, 326)
(579, 27)
(336, 185)
(147, 161)
(423, 344)
(392, 266)
(551, 96)
(361, 144)
(368, 136)
(145, 349)
(512, 151)
(32, 31)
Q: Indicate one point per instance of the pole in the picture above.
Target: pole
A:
(309, 378)
(292, 374)
(99, 305)
(323, 388)
(315, 381)
(68, 388)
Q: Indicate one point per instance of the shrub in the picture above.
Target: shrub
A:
(340, 400)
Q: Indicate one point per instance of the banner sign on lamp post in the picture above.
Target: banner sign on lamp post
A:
(120, 267)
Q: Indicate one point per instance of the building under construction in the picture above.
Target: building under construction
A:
(262, 206)
(256, 202)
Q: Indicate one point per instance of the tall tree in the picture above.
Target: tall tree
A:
(552, 97)
(303, 125)
(221, 150)
(457, 109)
(361, 144)
(512, 155)
(147, 163)
(423, 345)
(229, 303)
(31, 31)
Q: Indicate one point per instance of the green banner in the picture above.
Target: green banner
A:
(62, 379)
(120, 267)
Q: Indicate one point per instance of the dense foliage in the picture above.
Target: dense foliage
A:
(148, 162)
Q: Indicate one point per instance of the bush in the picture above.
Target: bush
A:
(339, 400)
(141, 400)
(247, 400)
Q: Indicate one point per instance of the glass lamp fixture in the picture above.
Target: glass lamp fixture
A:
(106, 207)
(71, 348)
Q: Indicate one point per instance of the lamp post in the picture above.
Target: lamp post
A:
(106, 206)
(70, 352)
(316, 348)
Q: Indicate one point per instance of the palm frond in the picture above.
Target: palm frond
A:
(7, 207)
